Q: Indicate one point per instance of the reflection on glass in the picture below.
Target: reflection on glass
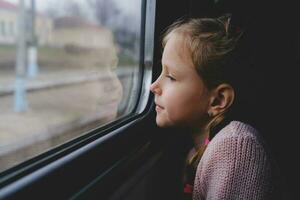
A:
(66, 66)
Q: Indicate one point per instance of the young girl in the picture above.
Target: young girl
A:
(197, 90)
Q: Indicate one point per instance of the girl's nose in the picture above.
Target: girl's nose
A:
(155, 87)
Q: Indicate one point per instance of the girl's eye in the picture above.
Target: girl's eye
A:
(171, 78)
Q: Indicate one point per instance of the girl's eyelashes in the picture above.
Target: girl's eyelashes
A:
(170, 77)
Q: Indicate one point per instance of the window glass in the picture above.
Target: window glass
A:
(66, 66)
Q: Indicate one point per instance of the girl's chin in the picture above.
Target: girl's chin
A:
(167, 124)
(163, 124)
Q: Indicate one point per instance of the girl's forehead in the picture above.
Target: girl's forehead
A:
(177, 51)
(177, 43)
(179, 35)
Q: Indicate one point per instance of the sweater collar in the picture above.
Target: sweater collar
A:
(218, 128)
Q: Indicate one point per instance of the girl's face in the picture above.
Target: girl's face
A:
(181, 97)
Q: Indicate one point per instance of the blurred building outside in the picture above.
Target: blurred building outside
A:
(78, 84)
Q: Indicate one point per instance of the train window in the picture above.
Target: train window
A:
(66, 66)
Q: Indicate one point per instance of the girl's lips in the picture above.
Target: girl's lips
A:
(158, 107)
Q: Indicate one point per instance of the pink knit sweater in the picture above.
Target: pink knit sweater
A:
(235, 165)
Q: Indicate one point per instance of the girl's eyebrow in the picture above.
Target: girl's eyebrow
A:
(169, 67)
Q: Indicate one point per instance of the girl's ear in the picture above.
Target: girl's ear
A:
(221, 99)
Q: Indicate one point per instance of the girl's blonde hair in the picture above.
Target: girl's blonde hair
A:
(211, 42)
